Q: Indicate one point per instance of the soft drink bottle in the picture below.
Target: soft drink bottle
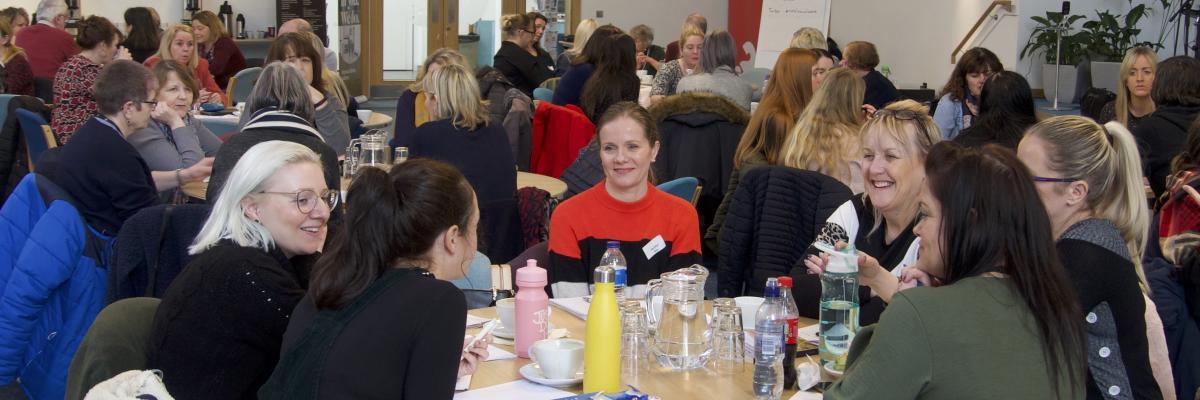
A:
(793, 319)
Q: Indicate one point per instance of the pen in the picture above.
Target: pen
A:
(487, 329)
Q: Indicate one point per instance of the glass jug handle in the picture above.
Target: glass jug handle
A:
(652, 287)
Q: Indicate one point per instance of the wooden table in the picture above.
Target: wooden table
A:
(377, 120)
(550, 184)
(199, 189)
(695, 384)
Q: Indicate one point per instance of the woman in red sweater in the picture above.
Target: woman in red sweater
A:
(657, 231)
(224, 58)
(18, 77)
(179, 44)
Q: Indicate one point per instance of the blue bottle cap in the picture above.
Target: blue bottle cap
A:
(613, 244)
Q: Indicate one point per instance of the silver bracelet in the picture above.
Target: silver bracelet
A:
(178, 177)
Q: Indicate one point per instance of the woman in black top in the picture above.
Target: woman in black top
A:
(524, 70)
(614, 80)
(1005, 112)
(141, 33)
(1162, 134)
(880, 222)
(380, 319)
(459, 133)
(1089, 179)
(217, 332)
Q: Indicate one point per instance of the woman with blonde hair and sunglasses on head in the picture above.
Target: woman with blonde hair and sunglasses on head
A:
(895, 144)
(179, 44)
(1133, 88)
(1089, 177)
(826, 137)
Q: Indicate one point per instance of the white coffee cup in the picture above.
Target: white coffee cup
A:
(749, 306)
(558, 358)
(642, 73)
(364, 115)
(506, 309)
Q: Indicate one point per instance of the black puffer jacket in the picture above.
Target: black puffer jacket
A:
(700, 132)
(775, 215)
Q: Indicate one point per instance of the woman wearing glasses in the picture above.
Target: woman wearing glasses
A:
(1090, 179)
(521, 68)
(878, 223)
(218, 330)
(380, 321)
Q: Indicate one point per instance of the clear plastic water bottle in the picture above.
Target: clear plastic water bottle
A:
(839, 308)
(769, 326)
(793, 320)
(613, 258)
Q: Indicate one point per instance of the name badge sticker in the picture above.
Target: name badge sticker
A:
(656, 245)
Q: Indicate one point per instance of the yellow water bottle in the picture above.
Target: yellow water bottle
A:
(602, 341)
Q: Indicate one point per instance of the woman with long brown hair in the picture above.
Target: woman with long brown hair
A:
(788, 93)
(215, 44)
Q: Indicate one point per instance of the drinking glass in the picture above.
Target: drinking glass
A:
(635, 339)
(728, 341)
(401, 155)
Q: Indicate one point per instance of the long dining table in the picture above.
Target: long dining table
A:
(704, 383)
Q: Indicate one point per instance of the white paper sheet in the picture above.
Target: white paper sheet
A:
(473, 321)
(521, 389)
(496, 353)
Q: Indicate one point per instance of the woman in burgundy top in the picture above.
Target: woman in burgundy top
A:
(225, 59)
(18, 77)
(73, 97)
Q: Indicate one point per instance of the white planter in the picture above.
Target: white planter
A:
(1067, 90)
(1106, 75)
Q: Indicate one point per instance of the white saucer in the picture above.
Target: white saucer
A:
(504, 332)
(533, 373)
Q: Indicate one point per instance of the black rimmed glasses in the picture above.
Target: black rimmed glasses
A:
(306, 200)
(1055, 180)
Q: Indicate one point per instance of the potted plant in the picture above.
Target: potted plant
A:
(1108, 37)
(1044, 40)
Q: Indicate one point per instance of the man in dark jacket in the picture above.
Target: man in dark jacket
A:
(1162, 134)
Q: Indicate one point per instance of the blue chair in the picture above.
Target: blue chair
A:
(38, 137)
(543, 94)
(687, 188)
(240, 85)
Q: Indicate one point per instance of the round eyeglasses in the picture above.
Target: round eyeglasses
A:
(306, 200)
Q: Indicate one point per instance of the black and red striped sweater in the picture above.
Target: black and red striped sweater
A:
(658, 233)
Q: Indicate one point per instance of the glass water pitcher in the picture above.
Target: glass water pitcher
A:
(683, 339)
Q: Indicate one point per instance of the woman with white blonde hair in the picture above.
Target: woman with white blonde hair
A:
(220, 325)
(567, 58)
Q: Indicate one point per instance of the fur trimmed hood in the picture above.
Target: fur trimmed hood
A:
(699, 103)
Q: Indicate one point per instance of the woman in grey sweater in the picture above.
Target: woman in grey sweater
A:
(173, 139)
(718, 62)
(331, 118)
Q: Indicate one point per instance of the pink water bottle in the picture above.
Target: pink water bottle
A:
(532, 312)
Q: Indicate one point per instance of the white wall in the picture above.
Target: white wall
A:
(915, 37)
(665, 16)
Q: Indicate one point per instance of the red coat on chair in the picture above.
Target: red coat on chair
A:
(559, 132)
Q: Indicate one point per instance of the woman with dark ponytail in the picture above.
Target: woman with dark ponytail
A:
(380, 319)
(1004, 320)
